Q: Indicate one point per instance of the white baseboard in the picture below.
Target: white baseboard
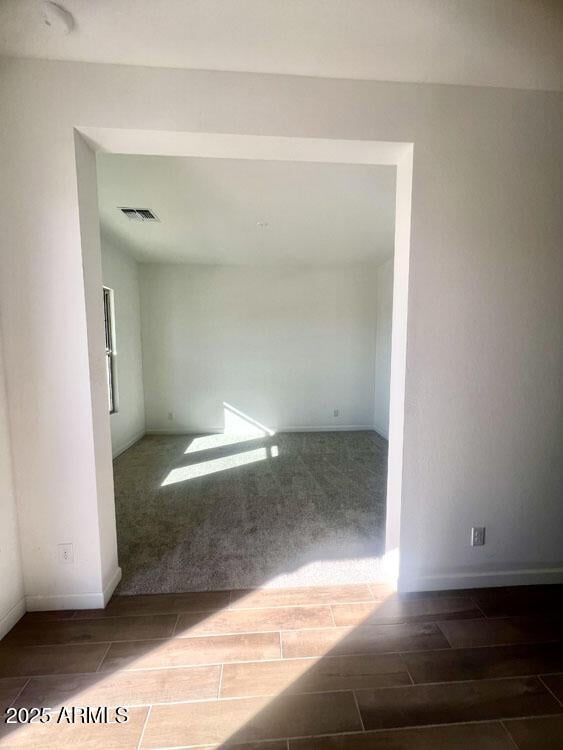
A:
(8, 620)
(111, 585)
(94, 600)
(329, 428)
(219, 430)
(122, 448)
(183, 431)
(524, 577)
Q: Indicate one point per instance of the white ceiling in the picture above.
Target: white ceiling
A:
(211, 210)
(513, 43)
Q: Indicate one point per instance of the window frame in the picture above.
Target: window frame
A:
(110, 349)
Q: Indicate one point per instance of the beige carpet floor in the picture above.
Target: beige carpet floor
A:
(210, 512)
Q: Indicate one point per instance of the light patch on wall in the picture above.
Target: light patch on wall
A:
(238, 428)
(239, 423)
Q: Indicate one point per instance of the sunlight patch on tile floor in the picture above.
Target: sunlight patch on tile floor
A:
(339, 571)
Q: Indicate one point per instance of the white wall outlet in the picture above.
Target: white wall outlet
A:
(66, 554)
(477, 536)
(336, 413)
(170, 416)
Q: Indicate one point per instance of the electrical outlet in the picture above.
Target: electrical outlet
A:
(477, 536)
(336, 413)
(66, 554)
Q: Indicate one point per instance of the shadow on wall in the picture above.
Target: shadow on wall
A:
(236, 509)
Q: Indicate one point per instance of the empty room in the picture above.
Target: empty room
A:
(249, 362)
(281, 314)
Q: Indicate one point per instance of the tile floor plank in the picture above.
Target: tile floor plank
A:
(381, 591)
(532, 601)
(544, 733)
(312, 675)
(265, 745)
(91, 631)
(154, 604)
(123, 688)
(485, 736)
(406, 609)
(364, 640)
(46, 615)
(39, 660)
(555, 682)
(486, 662)
(259, 598)
(505, 631)
(453, 702)
(254, 620)
(183, 652)
(10, 688)
(250, 719)
(345, 649)
(51, 736)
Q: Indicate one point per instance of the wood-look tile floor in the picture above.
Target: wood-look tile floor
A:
(333, 668)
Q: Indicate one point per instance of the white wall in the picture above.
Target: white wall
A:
(484, 346)
(120, 272)
(383, 330)
(285, 345)
(12, 602)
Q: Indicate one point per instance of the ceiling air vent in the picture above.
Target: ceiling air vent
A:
(139, 214)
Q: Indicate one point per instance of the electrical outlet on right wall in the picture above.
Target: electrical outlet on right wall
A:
(477, 536)
(66, 553)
